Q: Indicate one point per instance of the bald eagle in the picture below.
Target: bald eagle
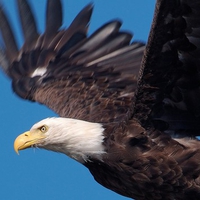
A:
(129, 113)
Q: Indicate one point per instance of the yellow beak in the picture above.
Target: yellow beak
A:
(27, 140)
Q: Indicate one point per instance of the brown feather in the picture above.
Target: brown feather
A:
(95, 83)
(11, 49)
(28, 25)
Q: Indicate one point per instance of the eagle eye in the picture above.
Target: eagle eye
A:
(43, 129)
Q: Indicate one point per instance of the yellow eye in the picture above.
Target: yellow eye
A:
(43, 129)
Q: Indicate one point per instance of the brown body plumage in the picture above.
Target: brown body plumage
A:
(150, 117)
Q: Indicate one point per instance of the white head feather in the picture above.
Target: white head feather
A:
(78, 139)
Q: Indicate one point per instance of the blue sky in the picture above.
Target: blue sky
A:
(39, 174)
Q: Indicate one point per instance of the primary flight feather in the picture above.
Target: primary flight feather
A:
(129, 113)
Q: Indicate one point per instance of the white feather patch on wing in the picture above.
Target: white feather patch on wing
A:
(39, 72)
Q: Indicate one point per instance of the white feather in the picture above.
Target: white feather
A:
(78, 139)
(40, 71)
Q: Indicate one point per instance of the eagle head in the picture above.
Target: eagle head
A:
(78, 139)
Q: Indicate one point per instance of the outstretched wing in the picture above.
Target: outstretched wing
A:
(168, 95)
(90, 78)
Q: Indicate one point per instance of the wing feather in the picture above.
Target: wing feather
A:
(78, 26)
(85, 77)
(11, 49)
(28, 25)
(170, 75)
(53, 21)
